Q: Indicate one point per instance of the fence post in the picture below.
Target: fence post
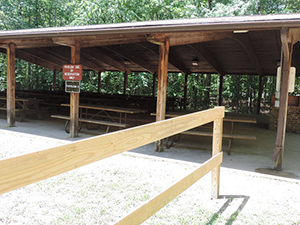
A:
(216, 148)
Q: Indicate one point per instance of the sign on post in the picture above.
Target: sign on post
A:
(72, 72)
(72, 86)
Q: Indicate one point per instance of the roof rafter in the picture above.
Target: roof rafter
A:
(130, 56)
(96, 54)
(66, 55)
(245, 41)
(184, 38)
(99, 40)
(202, 50)
(172, 59)
(34, 60)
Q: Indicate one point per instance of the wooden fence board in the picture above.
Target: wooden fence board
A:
(26, 169)
(153, 205)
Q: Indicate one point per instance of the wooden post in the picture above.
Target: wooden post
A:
(185, 90)
(10, 101)
(220, 90)
(154, 84)
(74, 97)
(125, 83)
(287, 48)
(54, 80)
(259, 95)
(99, 81)
(217, 147)
(162, 86)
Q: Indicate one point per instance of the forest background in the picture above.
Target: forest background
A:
(239, 92)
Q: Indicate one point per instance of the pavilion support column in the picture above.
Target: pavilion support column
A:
(54, 80)
(220, 90)
(185, 90)
(99, 81)
(162, 86)
(10, 96)
(125, 83)
(259, 95)
(74, 97)
(287, 49)
(153, 84)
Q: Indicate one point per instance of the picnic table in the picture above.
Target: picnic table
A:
(24, 106)
(229, 136)
(88, 113)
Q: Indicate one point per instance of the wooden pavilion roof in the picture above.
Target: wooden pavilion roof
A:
(248, 45)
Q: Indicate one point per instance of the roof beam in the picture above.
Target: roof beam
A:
(41, 54)
(184, 38)
(65, 54)
(34, 60)
(28, 43)
(172, 59)
(202, 50)
(131, 57)
(100, 56)
(245, 41)
(99, 40)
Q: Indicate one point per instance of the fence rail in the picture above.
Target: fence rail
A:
(30, 168)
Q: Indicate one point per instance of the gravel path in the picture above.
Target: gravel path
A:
(105, 191)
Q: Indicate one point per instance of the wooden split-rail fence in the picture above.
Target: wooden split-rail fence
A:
(30, 168)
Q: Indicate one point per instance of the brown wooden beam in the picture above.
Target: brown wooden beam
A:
(287, 50)
(162, 86)
(10, 101)
(33, 59)
(172, 58)
(131, 57)
(28, 42)
(44, 55)
(96, 54)
(246, 42)
(64, 54)
(74, 97)
(202, 50)
(100, 40)
(185, 38)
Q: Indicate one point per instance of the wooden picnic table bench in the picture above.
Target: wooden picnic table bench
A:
(98, 111)
(24, 106)
(229, 136)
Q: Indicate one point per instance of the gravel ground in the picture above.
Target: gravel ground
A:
(105, 191)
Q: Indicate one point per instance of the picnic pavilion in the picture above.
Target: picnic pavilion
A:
(246, 45)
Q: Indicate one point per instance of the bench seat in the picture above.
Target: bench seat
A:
(210, 134)
(99, 122)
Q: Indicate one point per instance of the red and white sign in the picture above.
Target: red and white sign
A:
(72, 72)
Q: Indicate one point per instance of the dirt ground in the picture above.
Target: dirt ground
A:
(104, 192)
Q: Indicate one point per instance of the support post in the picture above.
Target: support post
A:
(162, 86)
(54, 80)
(220, 90)
(185, 90)
(10, 98)
(153, 84)
(99, 81)
(74, 97)
(125, 83)
(259, 95)
(287, 49)
(217, 147)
